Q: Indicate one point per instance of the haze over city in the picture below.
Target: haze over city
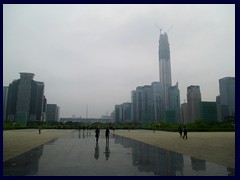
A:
(95, 55)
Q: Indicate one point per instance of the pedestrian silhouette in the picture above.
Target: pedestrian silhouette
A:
(39, 130)
(107, 132)
(184, 132)
(96, 154)
(107, 151)
(97, 133)
(180, 130)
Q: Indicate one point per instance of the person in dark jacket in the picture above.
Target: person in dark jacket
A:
(97, 134)
(107, 132)
(184, 132)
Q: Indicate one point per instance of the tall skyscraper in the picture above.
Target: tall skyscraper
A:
(164, 68)
(25, 99)
(193, 100)
(227, 96)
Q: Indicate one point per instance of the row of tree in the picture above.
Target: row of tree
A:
(227, 125)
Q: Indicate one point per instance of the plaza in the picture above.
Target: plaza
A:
(129, 153)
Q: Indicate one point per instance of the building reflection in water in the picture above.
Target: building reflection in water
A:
(25, 164)
(198, 164)
(149, 158)
(166, 163)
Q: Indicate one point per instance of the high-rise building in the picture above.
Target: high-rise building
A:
(52, 113)
(184, 113)
(164, 68)
(227, 96)
(25, 99)
(193, 100)
(147, 103)
(139, 99)
(126, 107)
(118, 114)
(174, 102)
(157, 102)
(134, 106)
(208, 111)
(5, 94)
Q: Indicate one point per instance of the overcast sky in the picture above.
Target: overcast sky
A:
(95, 55)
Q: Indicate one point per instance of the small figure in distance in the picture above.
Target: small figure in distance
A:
(184, 132)
(39, 130)
(180, 130)
(97, 133)
(107, 135)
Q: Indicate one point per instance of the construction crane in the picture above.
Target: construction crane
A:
(159, 28)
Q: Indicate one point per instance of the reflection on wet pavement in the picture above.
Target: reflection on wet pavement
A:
(78, 154)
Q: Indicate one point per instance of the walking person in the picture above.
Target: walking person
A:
(180, 130)
(97, 133)
(184, 132)
(107, 132)
(39, 130)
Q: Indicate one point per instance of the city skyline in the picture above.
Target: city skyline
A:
(94, 55)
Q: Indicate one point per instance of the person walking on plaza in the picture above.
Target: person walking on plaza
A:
(180, 130)
(107, 132)
(97, 133)
(184, 132)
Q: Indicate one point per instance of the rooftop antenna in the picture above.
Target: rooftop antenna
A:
(159, 28)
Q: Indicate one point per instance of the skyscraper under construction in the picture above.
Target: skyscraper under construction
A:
(164, 68)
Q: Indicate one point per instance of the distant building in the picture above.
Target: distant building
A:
(52, 114)
(208, 111)
(25, 99)
(134, 106)
(5, 95)
(218, 104)
(227, 97)
(193, 100)
(123, 113)
(174, 104)
(157, 101)
(184, 113)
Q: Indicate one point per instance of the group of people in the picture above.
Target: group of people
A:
(182, 129)
(97, 134)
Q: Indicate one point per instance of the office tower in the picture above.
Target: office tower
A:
(134, 106)
(52, 113)
(174, 102)
(157, 102)
(118, 114)
(164, 68)
(218, 104)
(44, 109)
(25, 99)
(144, 104)
(184, 113)
(5, 94)
(139, 98)
(208, 111)
(193, 100)
(126, 110)
(227, 96)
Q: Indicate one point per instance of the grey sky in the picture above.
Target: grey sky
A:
(96, 55)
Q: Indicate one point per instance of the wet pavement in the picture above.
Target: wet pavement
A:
(77, 154)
